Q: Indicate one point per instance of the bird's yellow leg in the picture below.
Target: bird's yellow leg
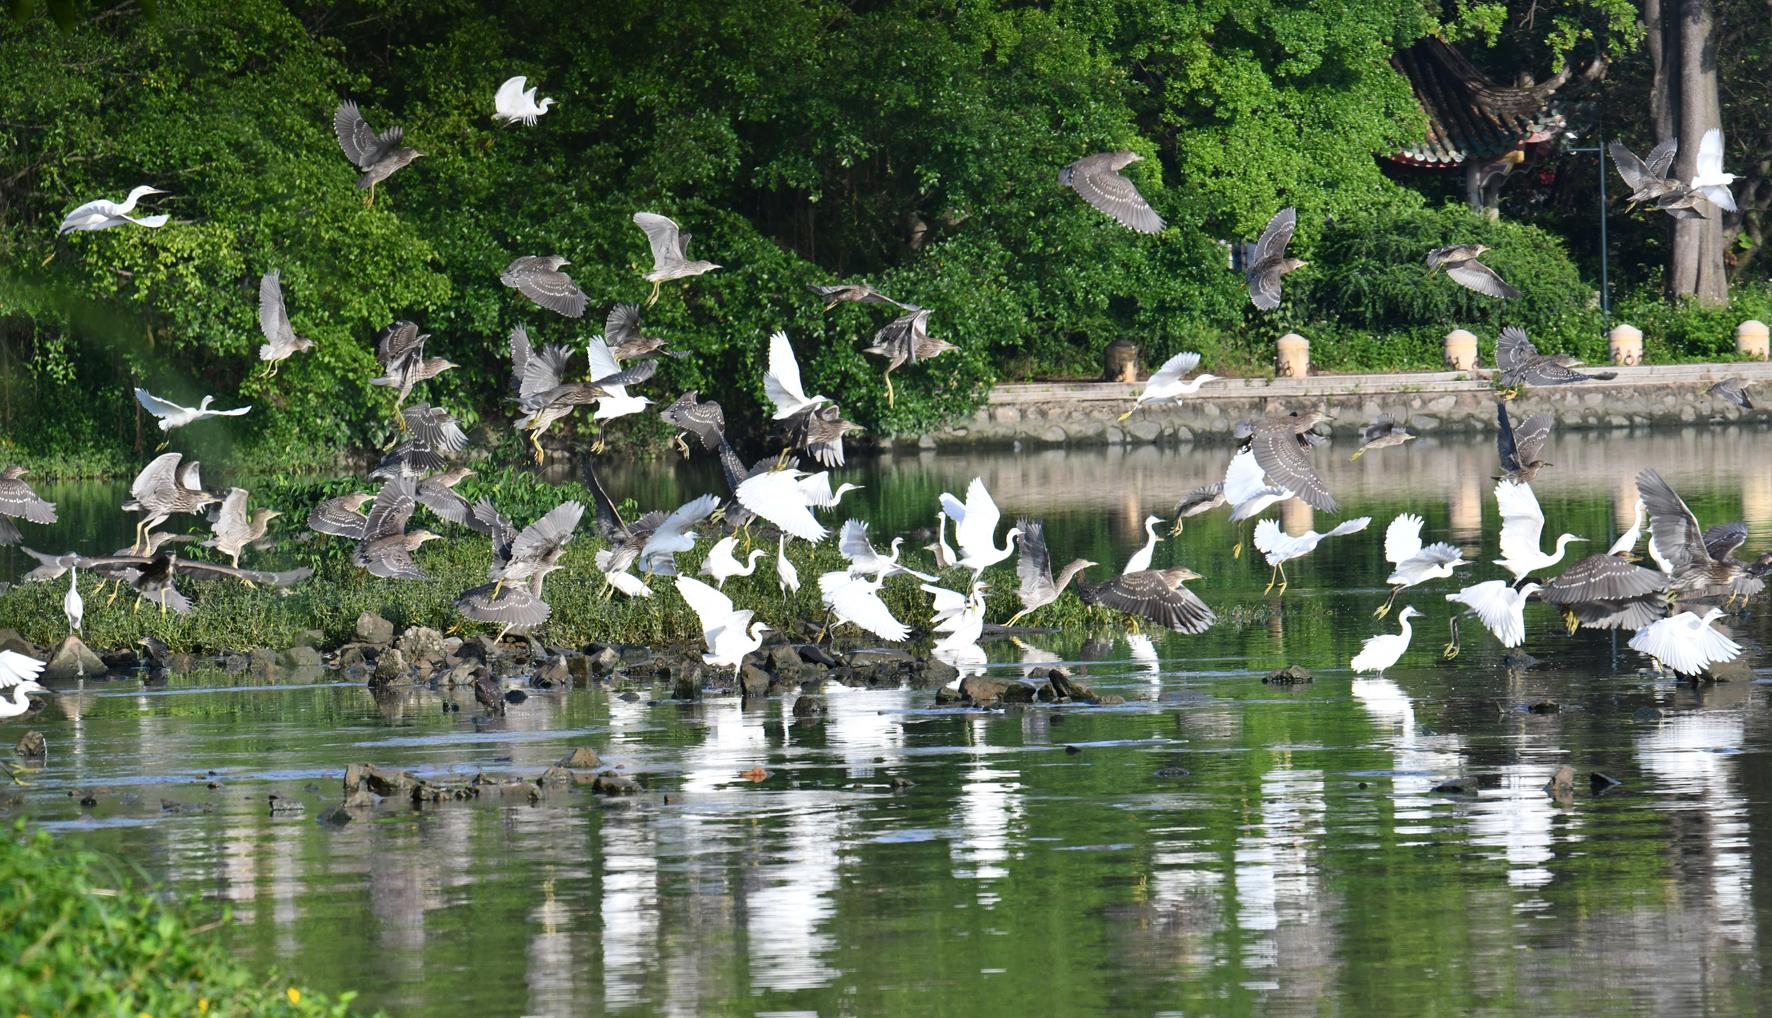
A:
(1013, 619)
(1284, 583)
(1361, 451)
(369, 202)
(136, 607)
(535, 441)
(889, 388)
(1272, 577)
(497, 588)
(1127, 413)
(1571, 622)
(682, 446)
(1136, 627)
(781, 461)
(162, 446)
(1451, 649)
(652, 298)
(1384, 609)
(1175, 531)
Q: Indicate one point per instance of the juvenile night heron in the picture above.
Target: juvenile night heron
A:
(164, 487)
(400, 349)
(171, 415)
(1521, 449)
(1518, 364)
(1166, 385)
(1700, 563)
(854, 293)
(622, 541)
(1607, 591)
(1280, 547)
(546, 397)
(818, 431)
(1460, 263)
(1683, 203)
(1157, 595)
(1708, 177)
(1383, 433)
(234, 528)
(729, 633)
(437, 493)
(18, 501)
(1734, 390)
(273, 321)
(386, 546)
(689, 414)
(515, 608)
(621, 330)
(514, 104)
(906, 339)
(1522, 531)
(1033, 568)
(1415, 563)
(975, 528)
(377, 155)
(1386, 649)
(104, 213)
(539, 278)
(670, 253)
(533, 552)
(1282, 444)
(339, 517)
(1686, 642)
(430, 432)
(1269, 264)
(152, 576)
(1648, 179)
(1198, 502)
(1098, 180)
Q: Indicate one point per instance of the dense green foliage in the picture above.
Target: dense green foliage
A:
(81, 937)
(911, 143)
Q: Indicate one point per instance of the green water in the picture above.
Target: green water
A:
(1216, 846)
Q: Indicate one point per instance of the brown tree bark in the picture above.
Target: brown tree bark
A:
(1698, 243)
(1663, 91)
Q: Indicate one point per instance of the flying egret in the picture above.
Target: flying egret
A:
(1247, 491)
(722, 565)
(817, 488)
(104, 213)
(674, 535)
(1097, 178)
(670, 253)
(1166, 385)
(1686, 642)
(171, 415)
(781, 382)
(729, 634)
(1269, 263)
(1281, 547)
(1384, 650)
(1522, 530)
(960, 616)
(975, 528)
(1033, 568)
(273, 321)
(856, 600)
(1155, 594)
(377, 155)
(778, 497)
(1500, 607)
(1141, 559)
(1708, 177)
(628, 583)
(864, 559)
(1414, 563)
(615, 401)
(785, 574)
(514, 104)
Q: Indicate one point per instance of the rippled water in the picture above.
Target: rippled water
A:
(1214, 846)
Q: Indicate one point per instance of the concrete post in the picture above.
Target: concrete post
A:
(1119, 362)
(1292, 356)
(1461, 350)
(1750, 339)
(1626, 343)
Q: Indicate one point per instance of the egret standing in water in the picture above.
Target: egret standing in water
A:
(18, 678)
(1281, 548)
(1386, 649)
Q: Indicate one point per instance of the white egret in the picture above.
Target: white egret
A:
(778, 497)
(1281, 547)
(728, 633)
(1686, 642)
(1166, 385)
(1414, 564)
(975, 528)
(628, 583)
(1500, 608)
(1248, 492)
(172, 415)
(1038, 588)
(615, 401)
(1141, 559)
(18, 678)
(781, 383)
(864, 559)
(1381, 651)
(512, 103)
(817, 488)
(104, 213)
(1708, 177)
(722, 565)
(960, 616)
(674, 535)
(73, 605)
(856, 600)
(944, 555)
(1522, 529)
(785, 574)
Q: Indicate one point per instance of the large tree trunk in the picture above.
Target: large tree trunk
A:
(1664, 86)
(1698, 243)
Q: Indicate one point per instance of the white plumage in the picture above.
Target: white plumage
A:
(729, 634)
(172, 415)
(1500, 608)
(513, 103)
(73, 605)
(18, 676)
(856, 600)
(1414, 563)
(1708, 177)
(1141, 559)
(658, 554)
(865, 559)
(944, 555)
(1627, 541)
(1166, 385)
(1246, 488)
(1686, 642)
(1522, 529)
(615, 402)
(959, 616)
(781, 383)
(785, 573)
(975, 528)
(817, 488)
(1280, 547)
(777, 496)
(104, 213)
(722, 565)
(1386, 649)
(628, 583)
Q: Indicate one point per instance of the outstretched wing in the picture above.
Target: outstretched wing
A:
(1522, 521)
(1103, 187)
(1281, 458)
(781, 383)
(1482, 279)
(362, 146)
(273, 317)
(1672, 527)
(1661, 158)
(1530, 436)
(1402, 539)
(622, 324)
(713, 608)
(1513, 350)
(1150, 595)
(661, 233)
(1033, 567)
(157, 406)
(1632, 169)
(1173, 370)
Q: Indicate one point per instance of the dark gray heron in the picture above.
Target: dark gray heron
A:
(1684, 203)
(377, 155)
(1201, 500)
(1519, 364)
(1033, 568)
(515, 608)
(622, 541)
(1282, 444)
(703, 419)
(339, 516)
(234, 528)
(400, 349)
(1153, 594)
(818, 431)
(906, 339)
(1701, 563)
(273, 321)
(1460, 263)
(622, 332)
(386, 546)
(1269, 264)
(437, 493)
(539, 278)
(430, 432)
(1383, 433)
(531, 553)
(545, 397)
(1606, 591)
(1521, 449)
(670, 253)
(854, 293)
(1648, 179)
(1734, 390)
(18, 501)
(1098, 179)
(164, 487)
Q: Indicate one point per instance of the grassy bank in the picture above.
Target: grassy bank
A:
(82, 936)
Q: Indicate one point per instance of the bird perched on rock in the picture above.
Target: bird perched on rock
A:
(234, 529)
(377, 155)
(1098, 179)
(514, 104)
(1733, 390)
(1518, 364)
(906, 339)
(273, 320)
(104, 213)
(1460, 263)
(670, 253)
(18, 501)
(1269, 263)
(386, 546)
(1383, 433)
(539, 278)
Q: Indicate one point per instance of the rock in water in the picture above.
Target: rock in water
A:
(421, 644)
(1291, 675)
(32, 746)
(390, 666)
(1561, 784)
(372, 628)
(72, 660)
(581, 758)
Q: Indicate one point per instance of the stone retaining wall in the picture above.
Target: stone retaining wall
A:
(1086, 413)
